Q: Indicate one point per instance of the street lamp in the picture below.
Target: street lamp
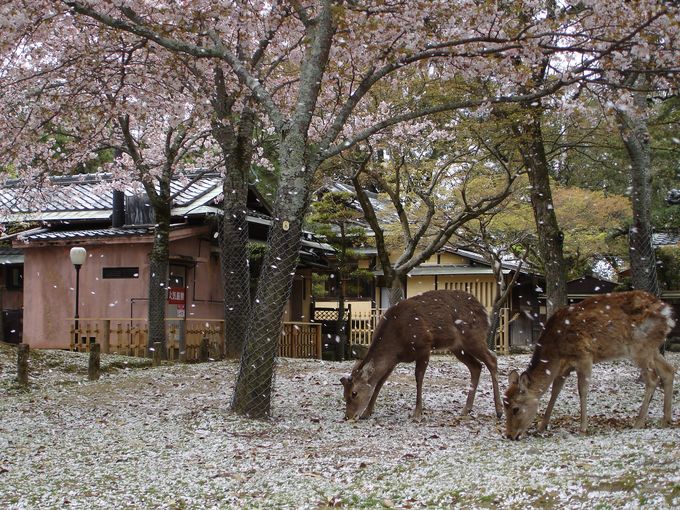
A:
(78, 255)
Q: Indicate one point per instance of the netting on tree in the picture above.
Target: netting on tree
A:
(255, 381)
(644, 275)
(236, 280)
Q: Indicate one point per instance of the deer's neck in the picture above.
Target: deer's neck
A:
(377, 365)
(542, 370)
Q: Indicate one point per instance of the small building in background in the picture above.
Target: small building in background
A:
(113, 290)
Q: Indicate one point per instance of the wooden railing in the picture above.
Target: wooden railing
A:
(362, 326)
(130, 336)
(184, 338)
(300, 340)
(503, 335)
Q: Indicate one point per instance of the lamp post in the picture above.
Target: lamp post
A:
(78, 255)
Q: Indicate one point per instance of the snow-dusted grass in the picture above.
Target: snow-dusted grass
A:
(165, 438)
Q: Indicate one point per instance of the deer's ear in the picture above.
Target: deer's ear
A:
(513, 378)
(345, 381)
(523, 381)
(367, 370)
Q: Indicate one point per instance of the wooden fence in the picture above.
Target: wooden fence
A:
(363, 324)
(184, 337)
(130, 336)
(300, 340)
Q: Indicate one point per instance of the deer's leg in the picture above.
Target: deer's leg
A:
(557, 385)
(651, 379)
(475, 368)
(371, 404)
(583, 372)
(421, 366)
(489, 359)
(666, 372)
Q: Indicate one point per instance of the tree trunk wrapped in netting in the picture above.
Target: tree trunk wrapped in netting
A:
(636, 139)
(235, 276)
(643, 259)
(252, 395)
(158, 280)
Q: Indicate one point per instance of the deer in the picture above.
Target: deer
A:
(408, 332)
(625, 325)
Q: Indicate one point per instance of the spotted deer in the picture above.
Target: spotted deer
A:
(626, 325)
(409, 331)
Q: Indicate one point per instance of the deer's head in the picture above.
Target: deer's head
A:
(357, 391)
(521, 405)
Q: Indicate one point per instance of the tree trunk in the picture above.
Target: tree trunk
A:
(550, 238)
(498, 303)
(252, 395)
(235, 273)
(635, 135)
(236, 146)
(341, 324)
(158, 278)
(395, 286)
(502, 295)
(494, 323)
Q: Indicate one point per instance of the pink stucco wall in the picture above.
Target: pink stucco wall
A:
(49, 284)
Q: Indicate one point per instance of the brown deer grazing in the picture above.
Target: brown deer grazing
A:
(408, 332)
(625, 325)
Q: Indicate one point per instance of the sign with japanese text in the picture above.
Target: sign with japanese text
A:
(176, 296)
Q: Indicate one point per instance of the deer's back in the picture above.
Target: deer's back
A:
(432, 320)
(606, 327)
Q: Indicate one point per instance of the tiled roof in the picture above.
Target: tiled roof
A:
(6, 250)
(11, 255)
(666, 238)
(673, 197)
(86, 234)
(91, 197)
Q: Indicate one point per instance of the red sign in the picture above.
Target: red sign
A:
(176, 296)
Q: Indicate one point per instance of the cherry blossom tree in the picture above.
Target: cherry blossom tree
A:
(73, 110)
(496, 248)
(311, 69)
(431, 193)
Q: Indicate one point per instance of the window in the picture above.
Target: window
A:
(14, 277)
(120, 272)
(325, 285)
(177, 275)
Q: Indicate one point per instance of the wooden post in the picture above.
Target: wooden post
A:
(22, 364)
(157, 354)
(319, 346)
(106, 337)
(222, 339)
(182, 343)
(95, 362)
(205, 349)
